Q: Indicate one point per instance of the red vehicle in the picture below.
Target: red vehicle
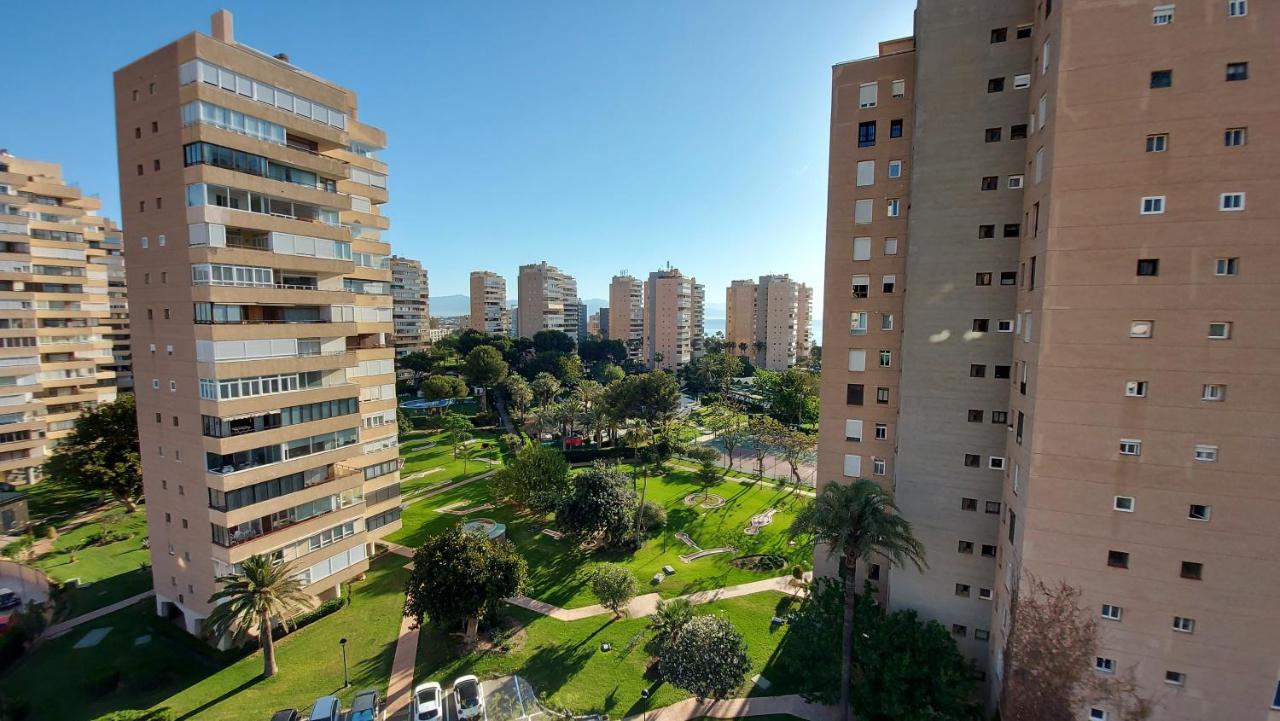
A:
(572, 442)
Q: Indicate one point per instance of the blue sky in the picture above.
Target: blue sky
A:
(595, 135)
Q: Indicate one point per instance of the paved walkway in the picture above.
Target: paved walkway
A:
(63, 627)
(403, 664)
(733, 708)
(647, 604)
(430, 491)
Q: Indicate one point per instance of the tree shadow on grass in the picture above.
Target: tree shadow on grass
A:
(220, 698)
(549, 668)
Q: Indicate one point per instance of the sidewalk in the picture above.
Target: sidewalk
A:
(733, 708)
(58, 629)
(647, 604)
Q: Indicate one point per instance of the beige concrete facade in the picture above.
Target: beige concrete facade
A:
(411, 309)
(778, 315)
(626, 313)
(804, 322)
(1079, 384)
(117, 297)
(548, 300)
(267, 424)
(672, 318)
(740, 317)
(489, 313)
(56, 328)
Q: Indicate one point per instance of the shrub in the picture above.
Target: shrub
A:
(137, 715)
(653, 516)
(12, 645)
(614, 586)
(105, 537)
(706, 657)
(17, 548)
(586, 455)
(319, 612)
(48, 531)
(797, 572)
(103, 683)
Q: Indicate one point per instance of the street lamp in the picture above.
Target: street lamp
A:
(644, 696)
(342, 642)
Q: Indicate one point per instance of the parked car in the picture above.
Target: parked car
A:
(468, 696)
(426, 701)
(326, 708)
(364, 707)
(286, 714)
(9, 599)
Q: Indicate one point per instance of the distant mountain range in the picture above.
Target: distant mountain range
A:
(459, 304)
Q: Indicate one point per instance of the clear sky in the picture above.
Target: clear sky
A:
(596, 135)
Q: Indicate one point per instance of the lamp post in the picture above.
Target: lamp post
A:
(644, 697)
(346, 681)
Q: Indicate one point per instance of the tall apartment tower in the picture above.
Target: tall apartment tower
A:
(117, 298)
(698, 319)
(488, 299)
(548, 300)
(55, 313)
(1048, 330)
(804, 321)
(626, 313)
(671, 306)
(740, 317)
(262, 316)
(411, 310)
(777, 321)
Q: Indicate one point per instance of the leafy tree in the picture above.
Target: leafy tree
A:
(712, 372)
(260, 596)
(439, 386)
(761, 431)
(731, 439)
(536, 477)
(614, 586)
(404, 425)
(600, 506)
(794, 446)
(418, 363)
(651, 398)
(545, 387)
(792, 394)
(460, 576)
(519, 394)
(602, 350)
(485, 367)
(553, 340)
(459, 428)
(546, 419)
(101, 454)
(607, 373)
(857, 521)
(706, 657)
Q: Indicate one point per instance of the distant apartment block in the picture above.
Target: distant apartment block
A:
(672, 319)
(781, 306)
(740, 317)
(57, 332)
(261, 313)
(117, 292)
(411, 310)
(626, 313)
(548, 300)
(1081, 384)
(488, 299)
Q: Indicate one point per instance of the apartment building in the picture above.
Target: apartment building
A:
(698, 319)
(602, 321)
(804, 322)
(582, 315)
(626, 313)
(740, 317)
(672, 319)
(118, 302)
(781, 305)
(55, 313)
(411, 309)
(548, 300)
(488, 299)
(1053, 269)
(262, 315)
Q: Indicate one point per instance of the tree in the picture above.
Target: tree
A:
(403, 424)
(794, 446)
(760, 431)
(102, 453)
(260, 596)
(485, 367)
(545, 387)
(792, 394)
(553, 340)
(731, 439)
(651, 398)
(706, 657)
(669, 618)
(597, 350)
(742, 347)
(1049, 660)
(600, 506)
(459, 428)
(857, 521)
(607, 373)
(417, 363)
(519, 394)
(459, 576)
(536, 477)
(712, 372)
(439, 386)
(545, 419)
(614, 586)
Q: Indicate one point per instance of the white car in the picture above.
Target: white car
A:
(426, 701)
(468, 696)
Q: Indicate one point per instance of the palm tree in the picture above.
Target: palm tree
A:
(857, 521)
(260, 596)
(544, 419)
(742, 346)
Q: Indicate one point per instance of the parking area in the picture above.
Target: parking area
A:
(509, 698)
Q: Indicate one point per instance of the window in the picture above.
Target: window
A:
(877, 466)
(1182, 624)
(968, 504)
(991, 182)
(1135, 389)
(866, 173)
(1231, 201)
(895, 128)
(1111, 612)
(1141, 328)
(888, 283)
(984, 594)
(1157, 143)
(862, 215)
(1162, 15)
(1192, 570)
(981, 634)
(1237, 71)
(999, 417)
(988, 550)
(890, 246)
(962, 589)
(993, 135)
(1021, 82)
(882, 432)
(1012, 230)
(858, 323)
(972, 460)
(893, 207)
(155, 126)
(959, 629)
(1213, 392)
(982, 279)
(867, 134)
(882, 395)
(895, 168)
(860, 286)
(1123, 503)
(1046, 51)
(899, 88)
(1161, 78)
(1042, 106)
(993, 507)
(1023, 32)
(1220, 330)
(999, 35)
(1117, 559)
(874, 572)
(977, 370)
(995, 85)
(996, 463)
(1175, 678)
(1008, 277)
(980, 325)
(975, 415)
(1226, 266)
(1039, 165)
(1015, 182)
(857, 360)
(965, 547)
(862, 248)
(1017, 132)
(1198, 512)
(1235, 136)
(853, 394)
(867, 95)
(1149, 266)
(1206, 454)
(986, 231)
(852, 465)
(853, 430)
(137, 133)
(1001, 371)
(1237, 9)
(1130, 447)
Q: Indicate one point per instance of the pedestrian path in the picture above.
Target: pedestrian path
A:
(61, 628)
(403, 664)
(732, 708)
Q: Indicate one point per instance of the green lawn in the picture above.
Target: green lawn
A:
(50, 502)
(107, 573)
(427, 452)
(564, 660)
(174, 671)
(558, 571)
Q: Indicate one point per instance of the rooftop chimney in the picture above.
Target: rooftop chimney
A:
(223, 26)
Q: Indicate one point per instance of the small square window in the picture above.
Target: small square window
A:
(986, 231)
(1182, 624)
(137, 133)
(1123, 503)
(888, 283)
(1157, 143)
(1097, 714)
(995, 85)
(959, 629)
(1018, 132)
(895, 128)
(1206, 454)
(882, 432)
(999, 35)
(886, 321)
(878, 466)
(991, 182)
(1023, 32)
(898, 88)
(1213, 392)
(1235, 136)
(867, 134)
(895, 168)
(1008, 277)
(882, 395)
(1135, 389)
(965, 547)
(1153, 205)
(893, 207)
(1021, 81)
(1012, 230)
(995, 463)
(972, 460)
(1161, 78)
(993, 135)
(1198, 512)
(155, 126)
(1015, 182)
(1149, 266)
(981, 634)
(1000, 417)
(977, 370)
(867, 95)
(890, 246)
(985, 594)
(962, 589)
(981, 325)
(1162, 15)
(1220, 330)
(1192, 570)
(1112, 612)
(1141, 328)
(989, 550)
(1117, 559)
(975, 416)
(1002, 372)
(155, 384)
(1130, 447)
(1235, 9)
(173, 385)
(968, 504)
(886, 359)
(874, 572)
(1237, 71)
(1175, 678)
(1231, 201)
(982, 279)
(1226, 266)
(1004, 326)
(993, 507)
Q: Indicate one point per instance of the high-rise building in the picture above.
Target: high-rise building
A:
(698, 319)
(602, 321)
(1077, 386)
(671, 306)
(740, 317)
(626, 313)
(593, 324)
(411, 310)
(804, 321)
(548, 300)
(583, 315)
(488, 299)
(262, 315)
(781, 305)
(117, 293)
(56, 327)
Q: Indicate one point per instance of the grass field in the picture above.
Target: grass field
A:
(558, 571)
(424, 452)
(106, 573)
(565, 662)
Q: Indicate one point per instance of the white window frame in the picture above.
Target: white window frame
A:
(895, 169)
(1046, 51)
(1130, 447)
(996, 463)
(898, 88)
(1116, 612)
(853, 462)
(1188, 625)
(886, 321)
(865, 173)
(864, 208)
(1213, 392)
(1237, 8)
(1162, 15)
(1097, 714)
(892, 207)
(1225, 267)
(1039, 164)
(1157, 143)
(1226, 202)
(1104, 665)
(890, 246)
(853, 430)
(1135, 389)
(865, 243)
(1022, 81)
(1042, 111)
(878, 466)
(985, 594)
(1015, 182)
(1004, 326)
(1135, 328)
(857, 360)
(1119, 502)
(1236, 133)
(1156, 203)
(1205, 453)
(1180, 680)
(858, 322)
(875, 95)
(1226, 330)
